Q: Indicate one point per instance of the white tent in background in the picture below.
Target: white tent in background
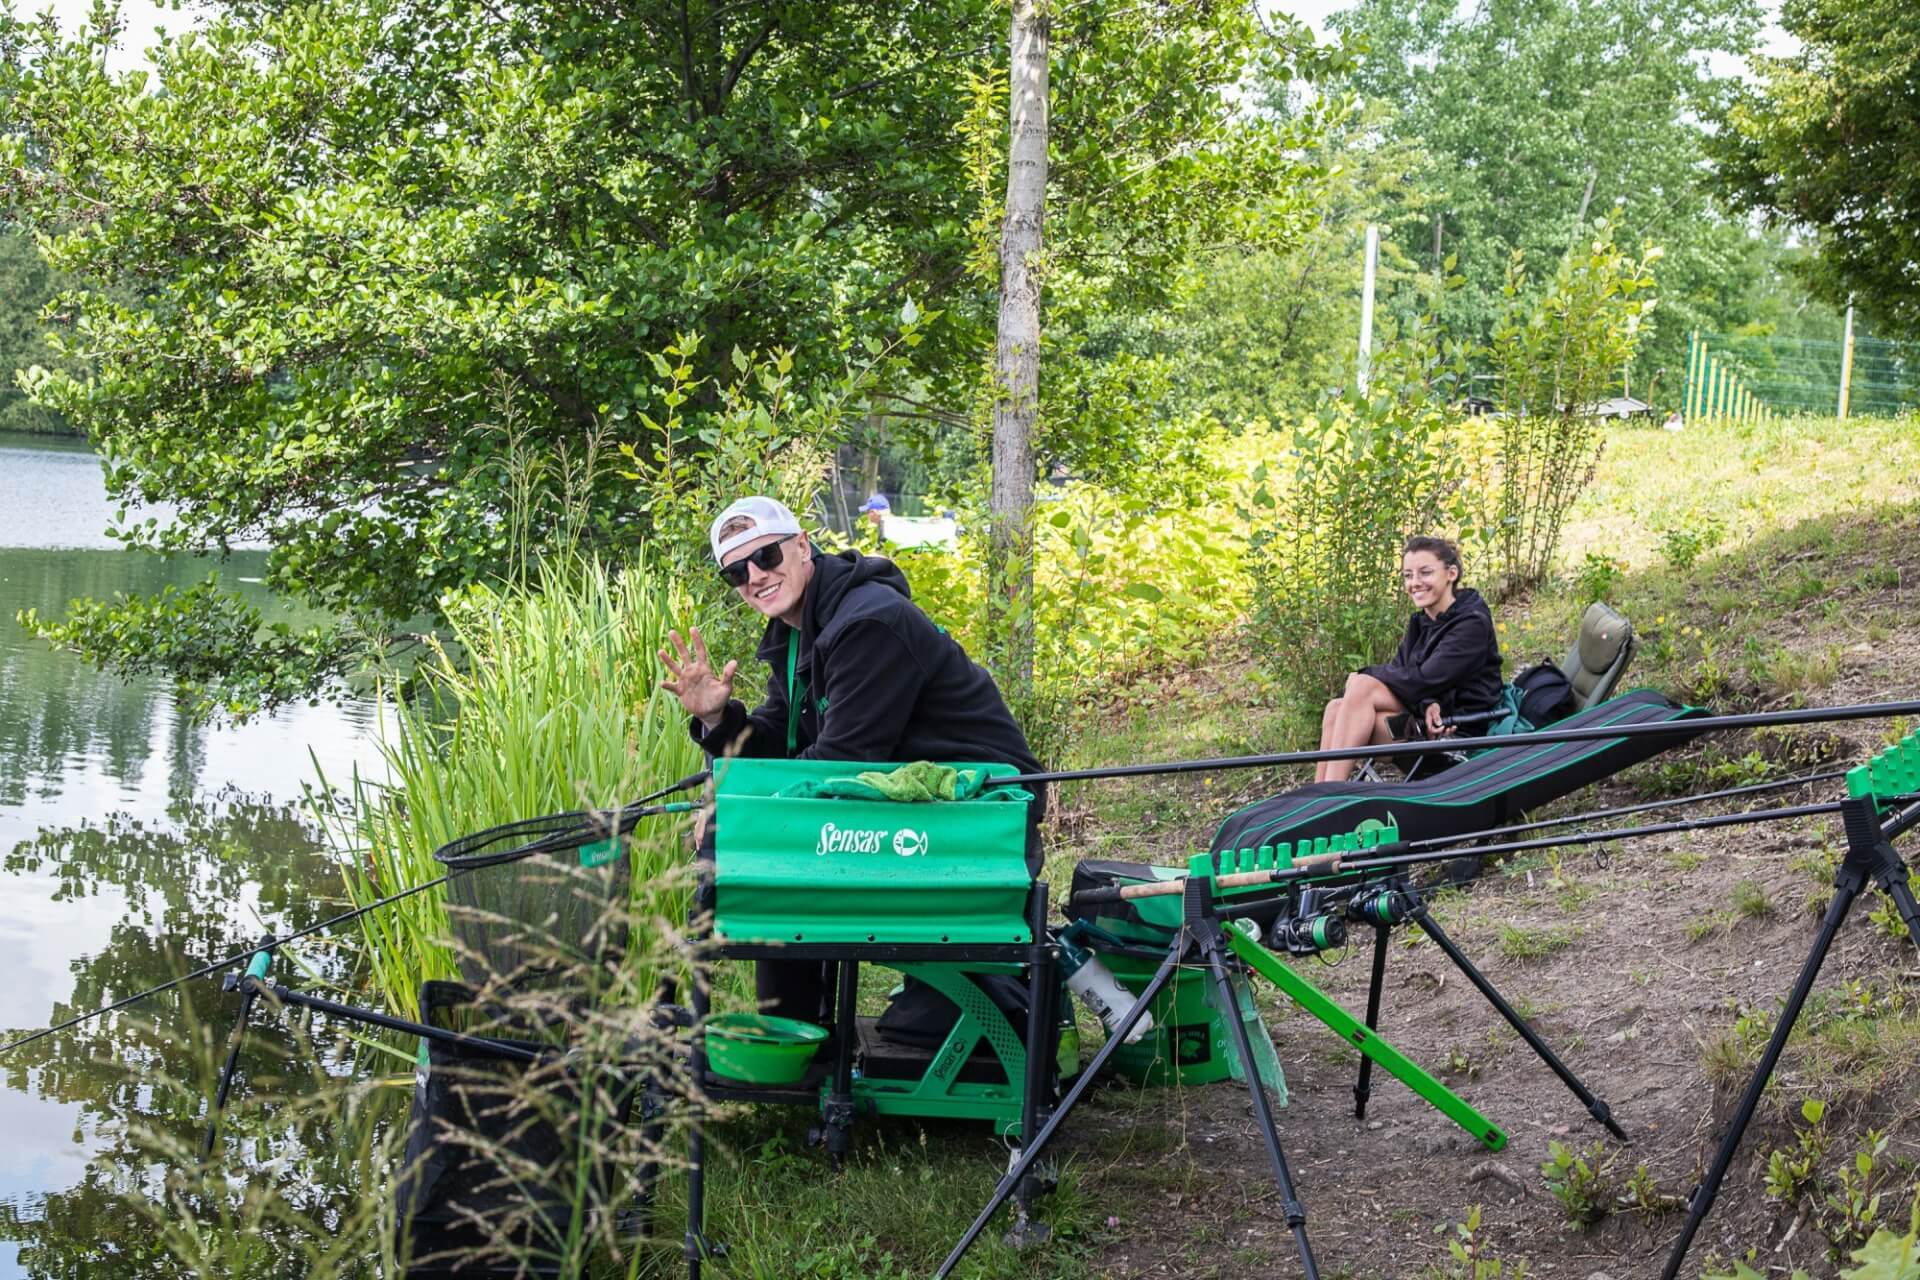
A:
(921, 531)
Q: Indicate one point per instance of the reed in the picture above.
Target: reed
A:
(542, 698)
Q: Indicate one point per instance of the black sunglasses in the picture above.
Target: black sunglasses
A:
(767, 557)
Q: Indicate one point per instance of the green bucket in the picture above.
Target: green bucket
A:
(755, 1048)
(1188, 1043)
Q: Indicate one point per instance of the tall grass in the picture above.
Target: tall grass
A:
(544, 698)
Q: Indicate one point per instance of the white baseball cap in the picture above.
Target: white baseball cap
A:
(768, 515)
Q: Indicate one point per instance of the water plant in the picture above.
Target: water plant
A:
(543, 697)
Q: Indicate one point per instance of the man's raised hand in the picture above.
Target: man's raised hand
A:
(703, 693)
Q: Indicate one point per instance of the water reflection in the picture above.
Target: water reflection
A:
(128, 1089)
(135, 845)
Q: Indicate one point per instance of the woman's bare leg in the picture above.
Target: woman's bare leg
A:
(1361, 720)
(1327, 719)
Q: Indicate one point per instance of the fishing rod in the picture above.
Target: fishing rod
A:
(1621, 811)
(1389, 857)
(628, 814)
(1537, 737)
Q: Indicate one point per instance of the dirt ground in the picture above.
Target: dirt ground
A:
(1648, 963)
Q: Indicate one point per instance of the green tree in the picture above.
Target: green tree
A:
(1824, 142)
(1543, 114)
(348, 233)
(1260, 332)
(25, 286)
(1555, 358)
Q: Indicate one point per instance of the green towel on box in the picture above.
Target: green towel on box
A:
(914, 783)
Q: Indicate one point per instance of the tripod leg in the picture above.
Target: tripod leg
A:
(226, 1074)
(1364, 1088)
(1868, 841)
(1031, 1151)
(1596, 1108)
(249, 987)
(1904, 903)
(1848, 885)
(1214, 954)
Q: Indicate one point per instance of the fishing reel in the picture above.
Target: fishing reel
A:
(1317, 925)
(1382, 905)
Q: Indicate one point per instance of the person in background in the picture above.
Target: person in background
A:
(1448, 662)
(877, 510)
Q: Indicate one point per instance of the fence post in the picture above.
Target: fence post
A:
(1846, 363)
(1366, 308)
(1688, 405)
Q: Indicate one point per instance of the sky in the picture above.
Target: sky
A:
(142, 16)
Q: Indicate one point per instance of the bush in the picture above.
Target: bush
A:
(1327, 527)
(1683, 545)
(1120, 588)
(1556, 358)
(1598, 577)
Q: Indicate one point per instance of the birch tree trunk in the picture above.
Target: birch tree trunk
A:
(1017, 353)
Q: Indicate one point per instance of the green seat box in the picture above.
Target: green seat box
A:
(833, 872)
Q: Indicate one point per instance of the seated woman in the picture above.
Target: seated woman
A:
(1448, 663)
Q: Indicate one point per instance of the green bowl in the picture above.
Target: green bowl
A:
(756, 1048)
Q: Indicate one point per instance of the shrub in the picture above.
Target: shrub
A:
(1556, 358)
(1120, 588)
(1324, 551)
(1598, 577)
(1582, 1183)
(1683, 545)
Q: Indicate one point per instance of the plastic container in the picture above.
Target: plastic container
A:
(1097, 988)
(755, 1048)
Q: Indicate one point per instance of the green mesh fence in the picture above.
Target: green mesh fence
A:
(1745, 376)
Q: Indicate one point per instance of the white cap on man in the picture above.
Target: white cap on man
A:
(769, 515)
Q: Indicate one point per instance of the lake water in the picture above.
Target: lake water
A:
(136, 844)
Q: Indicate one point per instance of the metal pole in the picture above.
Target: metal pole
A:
(1846, 364)
(1366, 308)
(1690, 397)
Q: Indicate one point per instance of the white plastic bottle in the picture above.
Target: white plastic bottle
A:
(1094, 983)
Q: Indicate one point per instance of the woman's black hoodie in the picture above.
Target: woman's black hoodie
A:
(1453, 659)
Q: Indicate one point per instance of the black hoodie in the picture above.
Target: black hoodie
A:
(879, 681)
(1453, 659)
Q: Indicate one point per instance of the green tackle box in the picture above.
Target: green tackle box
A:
(800, 872)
